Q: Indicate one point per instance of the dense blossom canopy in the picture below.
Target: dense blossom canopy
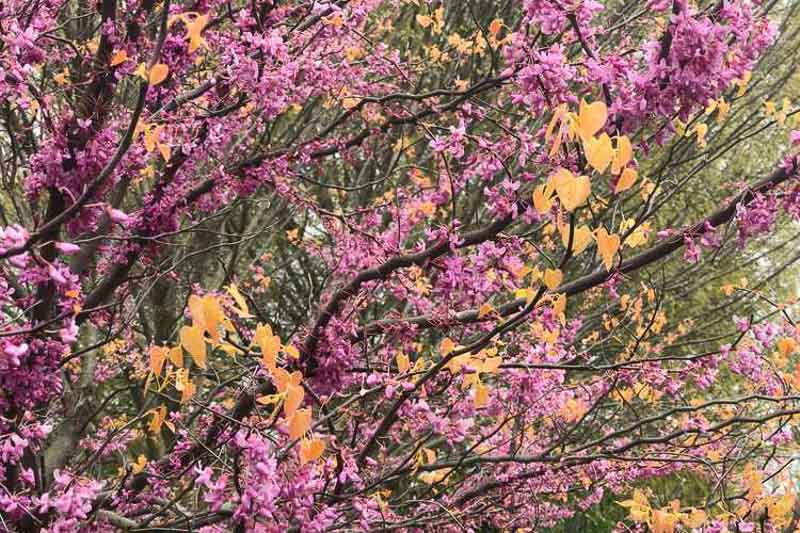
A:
(389, 264)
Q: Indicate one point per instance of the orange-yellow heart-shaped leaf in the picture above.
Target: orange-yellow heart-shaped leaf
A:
(213, 315)
(542, 199)
(283, 379)
(241, 308)
(591, 117)
(158, 74)
(158, 354)
(581, 238)
(558, 114)
(572, 191)
(176, 356)
(294, 398)
(786, 345)
(607, 246)
(141, 71)
(270, 345)
(165, 151)
(311, 450)
(623, 154)
(292, 351)
(552, 278)
(299, 423)
(485, 309)
(560, 304)
(481, 395)
(447, 345)
(599, 152)
(701, 130)
(269, 399)
(403, 363)
(195, 305)
(194, 30)
(120, 56)
(194, 342)
(626, 180)
(495, 26)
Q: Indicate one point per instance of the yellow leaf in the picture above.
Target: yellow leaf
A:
(434, 476)
(556, 143)
(485, 309)
(560, 304)
(623, 154)
(165, 151)
(591, 118)
(446, 346)
(557, 115)
(786, 346)
(151, 136)
(429, 456)
(572, 410)
(581, 238)
(194, 30)
(599, 152)
(638, 507)
(334, 20)
(120, 56)
(424, 20)
(728, 289)
(438, 20)
(284, 379)
(646, 189)
(492, 364)
(722, 110)
(403, 363)
(230, 349)
(639, 235)
(141, 71)
(294, 398)
(664, 522)
(242, 309)
(701, 130)
(61, 77)
(311, 450)
(695, 519)
(213, 316)
(195, 305)
(626, 180)
(158, 416)
(542, 199)
(607, 246)
(184, 384)
(299, 423)
(291, 351)
(139, 465)
(269, 399)
(572, 191)
(495, 26)
(270, 345)
(527, 293)
(481, 395)
(742, 83)
(158, 74)
(176, 356)
(158, 355)
(194, 342)
(455, 364)
(552, 278)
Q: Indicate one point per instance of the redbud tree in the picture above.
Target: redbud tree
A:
(417, 265)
